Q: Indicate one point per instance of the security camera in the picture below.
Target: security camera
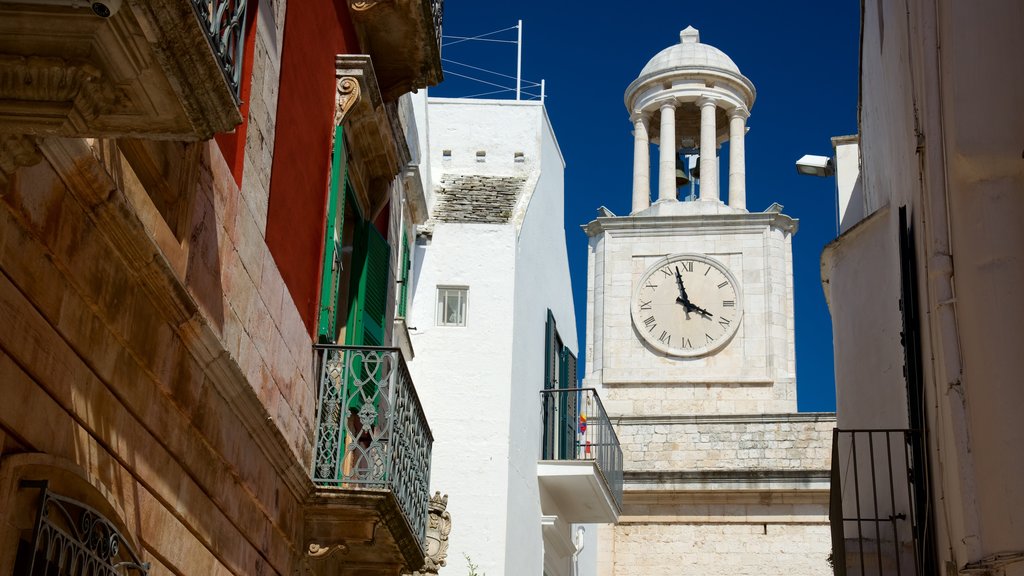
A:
(106, 8)
(811, 165)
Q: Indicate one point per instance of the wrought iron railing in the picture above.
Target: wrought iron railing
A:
(437, 11)
(576, 427)
(878, 502)
(70, 538)
(224, 24)
(370, 428)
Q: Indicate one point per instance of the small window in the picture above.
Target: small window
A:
(451, 305)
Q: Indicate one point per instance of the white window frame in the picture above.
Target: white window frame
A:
(442, 308)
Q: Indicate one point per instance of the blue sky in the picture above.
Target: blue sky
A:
(802, 57)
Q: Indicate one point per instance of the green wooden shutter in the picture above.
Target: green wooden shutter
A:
(371, 257)
(327, 326)
(403, 298)
(567, 405)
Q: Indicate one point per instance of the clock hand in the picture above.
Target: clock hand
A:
(682, 290)
(686, 306)
(701, 311)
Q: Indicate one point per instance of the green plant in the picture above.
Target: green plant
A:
(472, 567)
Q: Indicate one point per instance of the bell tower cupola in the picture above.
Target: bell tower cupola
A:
(689, 99)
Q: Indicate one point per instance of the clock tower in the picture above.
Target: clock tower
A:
(690, 340)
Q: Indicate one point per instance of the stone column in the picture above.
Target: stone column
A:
(708, 164)
(667, 153)
(737, 158)
(641, 164)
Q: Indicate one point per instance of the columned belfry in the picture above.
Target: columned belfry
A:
(689, 98)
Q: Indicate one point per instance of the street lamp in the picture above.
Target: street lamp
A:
(811, 165)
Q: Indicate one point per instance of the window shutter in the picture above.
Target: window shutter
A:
(570, 370)
(327, 325)
(371, 258)
(403, 299)
(550, 353)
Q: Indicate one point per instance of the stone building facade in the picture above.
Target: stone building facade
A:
(923, 287)
(690, 338)
(164, 409)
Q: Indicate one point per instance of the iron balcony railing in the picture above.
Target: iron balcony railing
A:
(878, 503)
(576, 427)
(437, 11)
(224, 24)
(370, 428)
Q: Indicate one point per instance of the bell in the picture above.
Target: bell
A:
(681, 178)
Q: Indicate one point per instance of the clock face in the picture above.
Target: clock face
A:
(687, 305)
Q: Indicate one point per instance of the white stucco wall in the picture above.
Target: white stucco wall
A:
(940, 134)
(542, 283)
(462, 376)
(480, 384)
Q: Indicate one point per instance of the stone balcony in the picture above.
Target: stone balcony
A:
(165, 69)
(580, 470)
(371, 465)
(404, 39)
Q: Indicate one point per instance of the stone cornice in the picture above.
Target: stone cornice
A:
(739, 480)
(628, 226)
(706, 419)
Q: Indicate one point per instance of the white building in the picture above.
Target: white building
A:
(923, 285)
(690, 338)
(492, 325)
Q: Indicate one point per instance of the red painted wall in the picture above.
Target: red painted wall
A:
(315, 31)
(232, 144)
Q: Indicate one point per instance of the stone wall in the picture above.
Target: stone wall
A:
(726, 549)
(762, 442)
(173, 377)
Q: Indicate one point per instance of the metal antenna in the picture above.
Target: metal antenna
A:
(519, 58)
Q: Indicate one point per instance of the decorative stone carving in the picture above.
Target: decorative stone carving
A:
(54, 82)
(148, 72)
(323, 551)
(16, 150)
(363, 5)
(438, 527)
(346, 97)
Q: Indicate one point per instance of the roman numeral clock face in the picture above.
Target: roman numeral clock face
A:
(687, 305)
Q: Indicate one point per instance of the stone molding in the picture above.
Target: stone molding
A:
(641, 225)
(47, 84)
(149, 71)
(802, 417)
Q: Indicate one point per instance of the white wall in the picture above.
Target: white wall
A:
(542, 283)
(480, 384)
(940, 133)
(462, 376)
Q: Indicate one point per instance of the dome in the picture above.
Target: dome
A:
(690, 53)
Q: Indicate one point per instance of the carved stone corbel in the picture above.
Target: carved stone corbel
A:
(16, 150)
(347, 95)
(439, 525)
(363, 5)
(376, 152)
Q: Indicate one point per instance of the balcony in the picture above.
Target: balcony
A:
(404, 39)
(879, 509)
(580, 471)
(167, 69)
(371, 465)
